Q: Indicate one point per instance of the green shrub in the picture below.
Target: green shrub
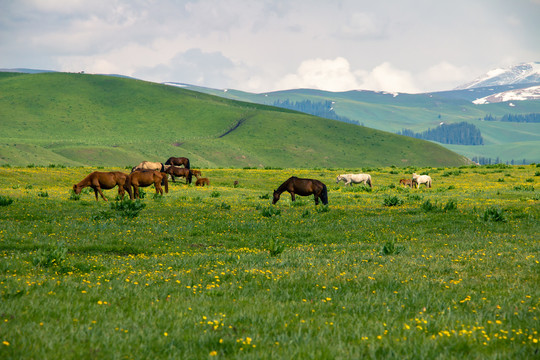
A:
(323, 208)
(274, 247)
(392, 201)
(43, 194)
(50, 257)
(73, 196)
(494, 214)
(225, 206)
(264, 196)
(450, 205)
(5, 200)
(215, 194)
(524, 188)
(429, 206)
(390, 248)
(270, 211)
(128, 208)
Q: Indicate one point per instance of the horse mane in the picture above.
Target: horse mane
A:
(283, 186)
(168, 162)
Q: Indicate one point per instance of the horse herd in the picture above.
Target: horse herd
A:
(148, 173)
(142, 175)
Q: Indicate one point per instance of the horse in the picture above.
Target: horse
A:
(406, 182)
(202, 182)
(420, 179)
(180, 172)
(149, 165)
(197, 173)
(146, 178)
(105, 180)
(350, 179)
(178, 161)
(302, 187)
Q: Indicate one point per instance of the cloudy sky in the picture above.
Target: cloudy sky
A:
(264, 45)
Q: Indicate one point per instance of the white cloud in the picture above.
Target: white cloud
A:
(332, 75)
(385, 77)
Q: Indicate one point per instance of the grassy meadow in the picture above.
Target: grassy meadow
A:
(219, 272)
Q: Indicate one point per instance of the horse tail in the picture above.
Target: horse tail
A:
(168, 162)
(190, 176)
(324, 195)
(369, 181)
(166, 182)
(188, 165)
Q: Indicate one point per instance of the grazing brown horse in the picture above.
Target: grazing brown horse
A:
(180, 172)
(302, 187)
(146, 178)
(202, 182)
(406, 182)
(105, 180)
(178, 161)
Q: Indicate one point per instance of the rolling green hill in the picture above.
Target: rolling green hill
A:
(419, 112)
(80, 119)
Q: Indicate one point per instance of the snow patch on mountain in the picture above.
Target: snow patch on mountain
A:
(530, 93)
(526, 73)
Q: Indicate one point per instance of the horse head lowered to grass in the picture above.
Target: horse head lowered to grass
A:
(302, 187)
(105, 180)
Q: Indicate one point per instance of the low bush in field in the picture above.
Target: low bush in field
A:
(392, 201)
(494, 214)
(5, 200)
(270, 211)
(128, 208)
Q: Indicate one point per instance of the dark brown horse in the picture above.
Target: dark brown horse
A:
(303, 187)
(202, 182)
(179, 172)
(406, 182)
(146, 178)
(105, 180)
(178, 161)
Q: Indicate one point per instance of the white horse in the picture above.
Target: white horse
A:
(421, 179)
(349, 179)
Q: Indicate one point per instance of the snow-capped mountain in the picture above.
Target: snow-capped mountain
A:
(526, 73)
(529, 93)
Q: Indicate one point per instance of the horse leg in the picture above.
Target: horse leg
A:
(100, 193)
(316, 199)
(158, 188)
(121, 192)
(293, 197)
(135, 191)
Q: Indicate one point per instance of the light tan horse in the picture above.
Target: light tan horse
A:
(105, 180)
(144, 178)
(150, 165)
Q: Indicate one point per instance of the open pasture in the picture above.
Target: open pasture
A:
(218, 272)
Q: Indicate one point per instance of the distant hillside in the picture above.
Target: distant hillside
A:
(417, 113)
(80, 119)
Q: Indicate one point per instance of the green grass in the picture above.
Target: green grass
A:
(79, 119)
(189, 277)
